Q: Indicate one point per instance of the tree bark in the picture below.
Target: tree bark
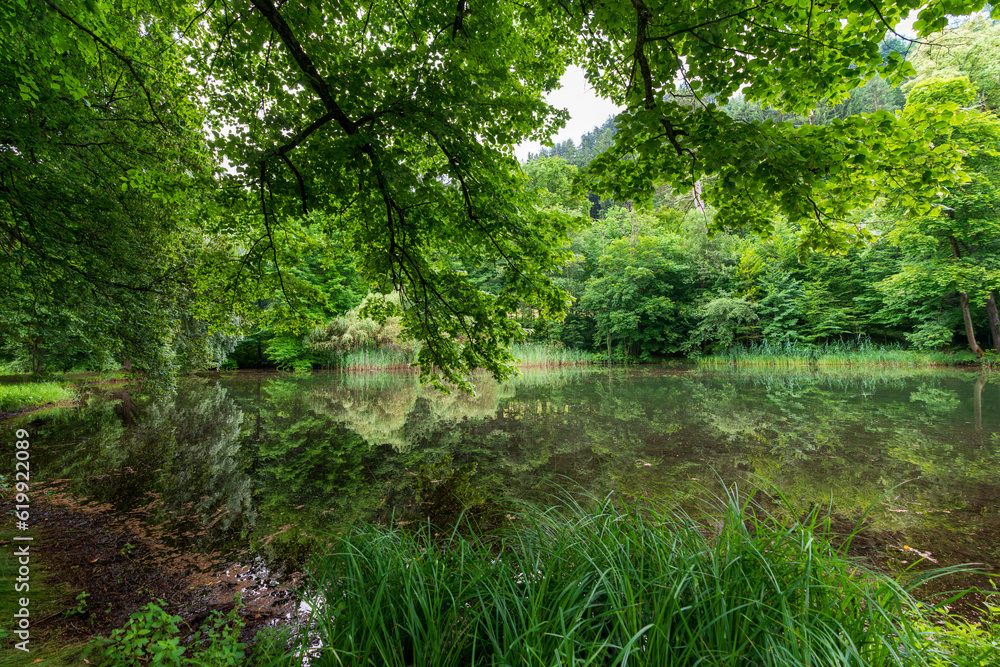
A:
(970, 333)
(991, 309)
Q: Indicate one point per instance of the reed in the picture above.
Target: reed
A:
(372, 359)
(534, 354)
(604, 585)
(860, 351)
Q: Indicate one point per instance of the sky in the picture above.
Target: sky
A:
(586, 109)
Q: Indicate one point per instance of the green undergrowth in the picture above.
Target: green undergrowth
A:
(21, 395)
(615, 585)
(153, 636)
(863, 353)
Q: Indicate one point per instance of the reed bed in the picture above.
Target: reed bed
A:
(372, 359)
(609, 586)
(527, 354)
(32, 394)
(533, 354)
(861, 351)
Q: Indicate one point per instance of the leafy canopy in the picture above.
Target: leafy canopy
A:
(397, 121)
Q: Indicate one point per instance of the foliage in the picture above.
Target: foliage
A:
(952, 254)
(417, 164)
(634, 297)
(552, 178)
(722, 319)
(370, 151)
(152, 636)
(102, 156)
(966, 49)
(955, 641)
(607, 584)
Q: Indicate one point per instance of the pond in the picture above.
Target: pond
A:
(263, 465)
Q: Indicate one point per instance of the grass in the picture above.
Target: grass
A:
(533, 354)
(835, 353)
(31, 394)
(610, 586)
(372, 359)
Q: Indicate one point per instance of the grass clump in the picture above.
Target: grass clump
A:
(607, 586)
(23, 395)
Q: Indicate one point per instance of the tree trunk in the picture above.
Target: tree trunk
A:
(991, 309)
(969, 331)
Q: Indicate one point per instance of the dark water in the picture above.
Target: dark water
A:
(268, 463)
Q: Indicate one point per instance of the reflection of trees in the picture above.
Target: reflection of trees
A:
(384, 410)
(202, 471)
(851, 437)
(180, 459)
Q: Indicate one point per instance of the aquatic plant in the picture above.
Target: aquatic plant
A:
(609, 585)
(861, 351)
(534, 354)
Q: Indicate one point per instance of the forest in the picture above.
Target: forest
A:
(207, 185)
(191, 186)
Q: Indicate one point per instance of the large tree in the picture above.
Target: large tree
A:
(99, 150)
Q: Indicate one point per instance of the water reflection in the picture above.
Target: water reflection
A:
(272, 462)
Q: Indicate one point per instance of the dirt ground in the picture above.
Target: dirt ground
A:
(123, 565)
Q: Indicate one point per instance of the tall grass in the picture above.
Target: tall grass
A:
(372, 359)
(607, 586)
(861, 351)
(533, 354)
(527, 354)
(31, 394)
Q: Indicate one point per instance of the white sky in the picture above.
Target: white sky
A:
(587, 111)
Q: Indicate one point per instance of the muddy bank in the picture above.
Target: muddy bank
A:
(123, 564)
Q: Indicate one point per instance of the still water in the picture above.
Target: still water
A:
(266, 464)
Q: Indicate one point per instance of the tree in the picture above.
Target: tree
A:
(418, 164)
(552, 178)
(659, 55)
(99, 155)
(398, 122)
(968, 49)
(637, 298)
(954, 254)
